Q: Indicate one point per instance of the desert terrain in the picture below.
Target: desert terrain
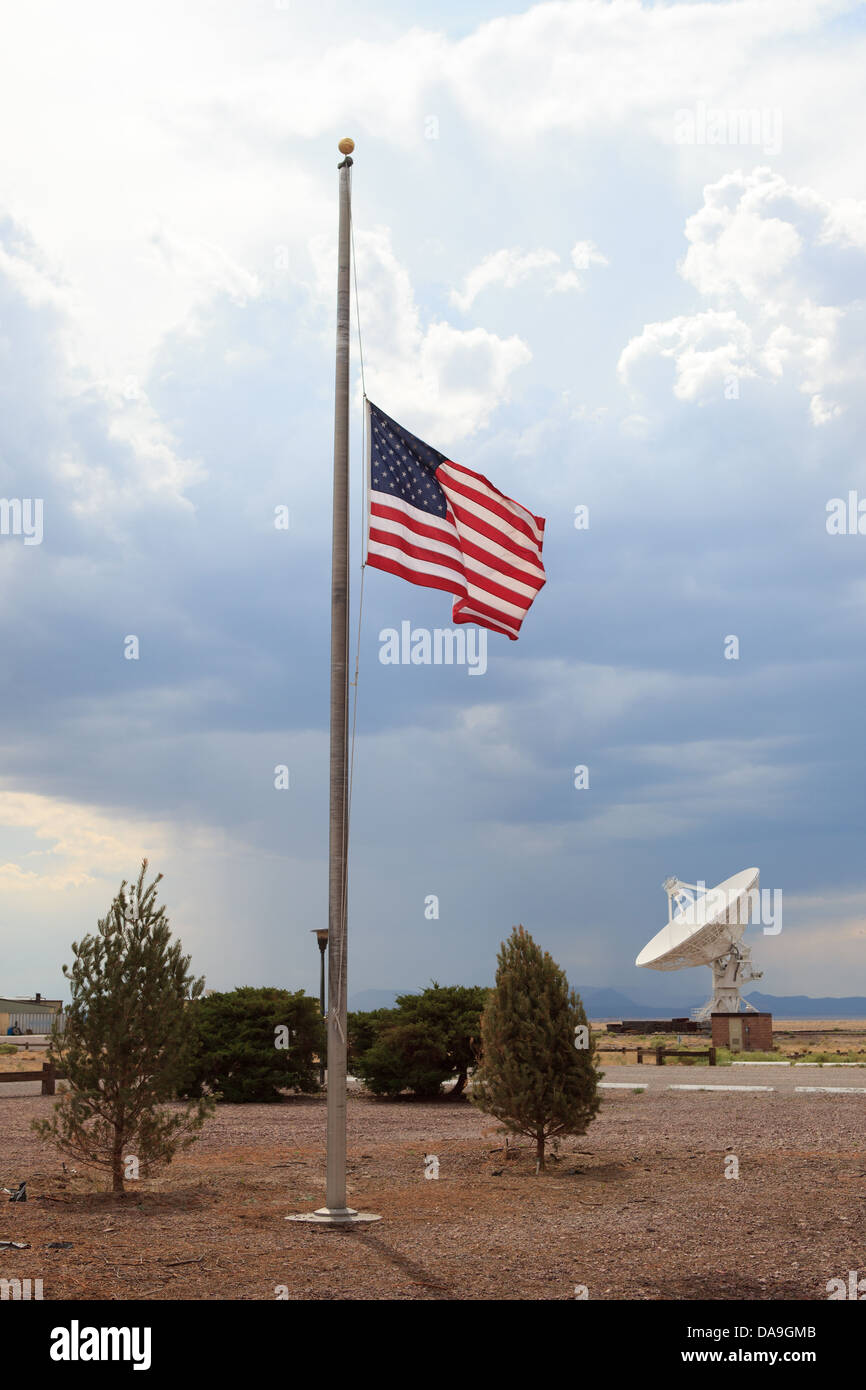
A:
(639, 1208)
(832, 1040)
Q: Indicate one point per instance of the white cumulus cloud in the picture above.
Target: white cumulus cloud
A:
(766, 253)
(511, 266)
(445, 379)
(508, 267)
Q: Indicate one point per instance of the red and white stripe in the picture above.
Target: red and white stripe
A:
(486, 551)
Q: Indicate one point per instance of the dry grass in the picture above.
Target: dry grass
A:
(842, 1038)
(22, 1061)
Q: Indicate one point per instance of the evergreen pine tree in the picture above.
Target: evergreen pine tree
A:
(421, 1043)
(124, 1047)
(532, 1076)
(235, 1053)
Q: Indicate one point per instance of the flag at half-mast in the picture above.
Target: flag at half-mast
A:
(438, 524)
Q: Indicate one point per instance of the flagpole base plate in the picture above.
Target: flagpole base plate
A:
(335, 1216)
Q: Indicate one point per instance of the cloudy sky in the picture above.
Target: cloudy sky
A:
(611, 255)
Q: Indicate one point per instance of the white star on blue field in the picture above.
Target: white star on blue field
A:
(404, 466)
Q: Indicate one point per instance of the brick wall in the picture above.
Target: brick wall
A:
(757, 1031)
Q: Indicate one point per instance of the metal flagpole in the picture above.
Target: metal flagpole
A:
(336, 1181)
(335, 1209)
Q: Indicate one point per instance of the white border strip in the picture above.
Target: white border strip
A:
(721, 1088)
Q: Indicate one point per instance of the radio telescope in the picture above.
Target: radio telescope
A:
(708, 930)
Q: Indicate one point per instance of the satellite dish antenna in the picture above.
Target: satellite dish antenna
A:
(707, 929)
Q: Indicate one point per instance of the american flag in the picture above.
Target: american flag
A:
(436, 523)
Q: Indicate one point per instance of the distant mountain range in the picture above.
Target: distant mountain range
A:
(803, 1006)
(603, 1002)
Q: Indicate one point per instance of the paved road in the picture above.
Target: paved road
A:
(10, 1089)
(778, 1078)
(757, 1077)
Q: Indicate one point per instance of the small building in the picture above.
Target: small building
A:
(743, 1032)
(34, 1015)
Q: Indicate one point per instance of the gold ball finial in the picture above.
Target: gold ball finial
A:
(346, 145)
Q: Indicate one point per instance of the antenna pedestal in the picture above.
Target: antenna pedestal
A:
(730, 972)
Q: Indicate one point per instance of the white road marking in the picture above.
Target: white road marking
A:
(622, 1085)
(835, 1090)
(723, 1088)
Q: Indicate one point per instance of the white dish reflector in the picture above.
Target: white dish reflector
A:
(705, 928)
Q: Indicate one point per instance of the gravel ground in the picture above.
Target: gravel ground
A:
(637, 1209)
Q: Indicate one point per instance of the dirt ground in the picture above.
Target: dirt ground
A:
(29, 1060)
(637, 1209)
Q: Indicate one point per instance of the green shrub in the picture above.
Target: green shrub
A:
(404, 1058)
(234, 1044)
(423, 1042)
(364, 1029)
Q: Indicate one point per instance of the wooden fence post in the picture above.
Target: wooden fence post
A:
(712, 1056)
(660, 1055)
(48, 1078)
(640, 1056)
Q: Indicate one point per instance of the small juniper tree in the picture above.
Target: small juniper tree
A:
(125, 1043)
(251, 1044)
(404, 1057)
(534, 1076)
(450, 1013)
(421, 1043)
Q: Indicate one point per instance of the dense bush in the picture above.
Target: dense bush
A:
(364, 1029)
(404, 1058)
(234, 1044)
(427, 1039)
